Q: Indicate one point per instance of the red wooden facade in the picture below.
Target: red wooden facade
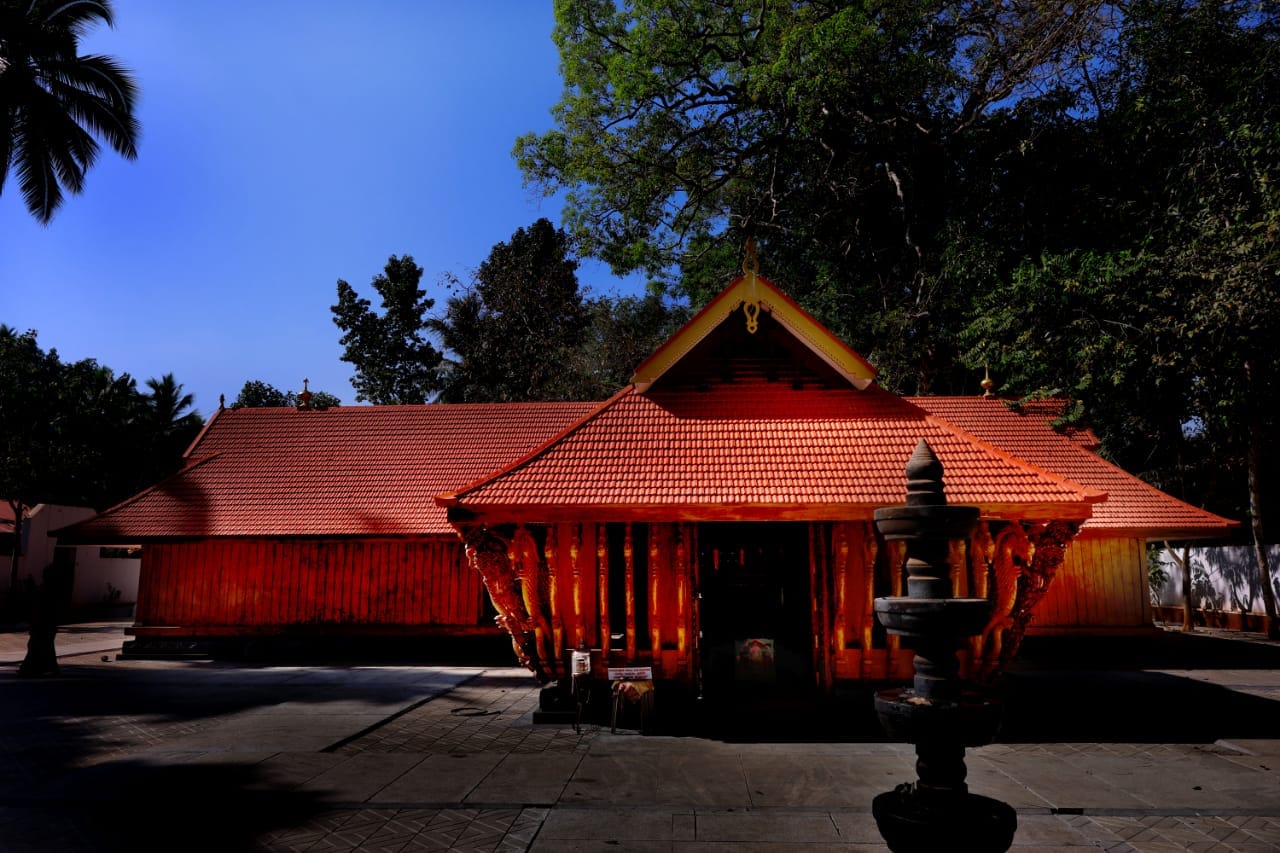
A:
(237, 587)
(711, 520)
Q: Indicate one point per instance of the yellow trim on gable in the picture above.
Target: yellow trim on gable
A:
(752, 289)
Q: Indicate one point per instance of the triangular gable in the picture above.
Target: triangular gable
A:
(742, 301)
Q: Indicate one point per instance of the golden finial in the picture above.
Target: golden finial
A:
(304, 399)
(987, 382)
(750, 263)
(751, 266)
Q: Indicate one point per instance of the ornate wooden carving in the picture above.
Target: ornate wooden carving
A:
(1026, 558)
(575, 568)
(655, 591)
(842, 558)
(602, 587)
(1048, 545)
(551, 553)
(629, 558)
(1011, 553)
(488, 554)
(532, 576)
(682, 589)
(870, 552)
(981, 553)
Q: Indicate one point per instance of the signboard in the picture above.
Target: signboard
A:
(631, 673)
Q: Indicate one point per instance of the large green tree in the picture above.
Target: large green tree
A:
(849, 138)
(524, 330)
(512, 333)
(1164, 321)
(56, 103)
(77, 433)
(395, 362)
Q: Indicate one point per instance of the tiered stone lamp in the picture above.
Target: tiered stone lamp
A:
(937, 713)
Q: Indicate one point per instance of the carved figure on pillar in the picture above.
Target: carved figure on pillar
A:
(1048, 548)
(530, 572)
(488, 554)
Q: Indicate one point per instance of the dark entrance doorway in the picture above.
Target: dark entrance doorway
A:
(757, 633)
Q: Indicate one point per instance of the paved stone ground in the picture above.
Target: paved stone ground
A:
(145, 756)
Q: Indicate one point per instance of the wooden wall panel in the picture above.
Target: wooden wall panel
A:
(274, 584)
(1102, 583)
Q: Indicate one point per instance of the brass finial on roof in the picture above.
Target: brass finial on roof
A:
(988, 384)
(304, 399)
(750, 263)
(750, 267)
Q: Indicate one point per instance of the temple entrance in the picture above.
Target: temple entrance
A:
(757, 634)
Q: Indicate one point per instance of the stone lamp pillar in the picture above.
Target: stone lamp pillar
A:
(937, 713)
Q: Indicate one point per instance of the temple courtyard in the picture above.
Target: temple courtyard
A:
(1164, 743)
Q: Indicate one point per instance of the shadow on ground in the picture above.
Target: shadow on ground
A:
(1061, 690)
(67, 782)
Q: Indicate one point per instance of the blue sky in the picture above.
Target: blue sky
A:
(285, 145)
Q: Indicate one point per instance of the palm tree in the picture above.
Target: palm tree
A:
(54, 102)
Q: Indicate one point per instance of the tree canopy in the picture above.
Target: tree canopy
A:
(55, 103)
(77, 433)
(524, 330)
(257, 394)
(394, 360)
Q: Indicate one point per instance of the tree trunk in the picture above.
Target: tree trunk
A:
(15, 560)
(42, 655)
(1270, 624)
(1188, 602)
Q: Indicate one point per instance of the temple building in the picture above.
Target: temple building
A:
(711, 521)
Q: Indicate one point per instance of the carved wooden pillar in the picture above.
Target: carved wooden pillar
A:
(870, 553)
(551, 552)
(629, 593)
(656, 609)
(575, 567)
(602, 587)
(681, 570)
(841, 569)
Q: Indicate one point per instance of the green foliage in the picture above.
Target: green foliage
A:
(76, 433)
(56, 103)
(394, 361)
(514, 332)
(257, 394)
(848, 138)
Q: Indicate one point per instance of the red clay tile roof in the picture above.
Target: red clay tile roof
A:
(359, 470)
(1049, 409)
(760, 450)
(1131, 504)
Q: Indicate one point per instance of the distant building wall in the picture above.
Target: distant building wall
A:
(102, 579)
(1223, 579)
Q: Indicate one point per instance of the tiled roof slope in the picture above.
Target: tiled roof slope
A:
(360, 470)
(1049, 409)
(758, 450)
(1131, 504)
